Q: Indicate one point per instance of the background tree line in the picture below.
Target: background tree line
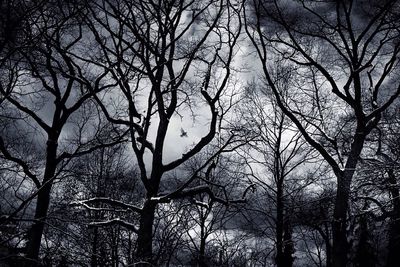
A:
(199, 133)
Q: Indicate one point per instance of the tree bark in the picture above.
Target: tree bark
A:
(340, 246)
(288, 247)
(144, 251)
(35, 233)
(284, 244)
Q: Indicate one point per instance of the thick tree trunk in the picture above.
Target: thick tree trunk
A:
(36, 231)
(340, 246)
(284, 242)
(202, 258)
(393, 258)
(42, 205)
(144, 251)
(288, 247)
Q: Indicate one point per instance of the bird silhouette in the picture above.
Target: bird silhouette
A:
(183, 133)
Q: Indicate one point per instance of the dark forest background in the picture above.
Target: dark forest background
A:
(199, 133)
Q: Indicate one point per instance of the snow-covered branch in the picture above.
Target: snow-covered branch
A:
(119, 221)
(105, 200)
(193, 191)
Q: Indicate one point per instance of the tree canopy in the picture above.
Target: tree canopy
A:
(199, 133)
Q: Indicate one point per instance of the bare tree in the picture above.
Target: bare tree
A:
(164, 57)
(48, 93)
(278, 158)
(344, 55)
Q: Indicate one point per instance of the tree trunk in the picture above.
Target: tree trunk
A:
(42, 205)
(328, 251)
(114, 247)
(279, 227)
(288, 246)
(202, 258)
(93, 261)
(202, 251)
(393, 258)
(340, 246)
(328, 255)
(284, 243)
(144, 251)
